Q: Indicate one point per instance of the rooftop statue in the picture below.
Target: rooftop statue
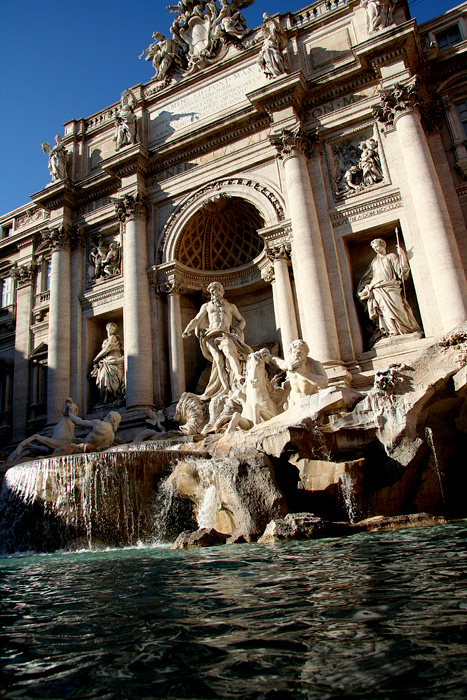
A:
(381, 290)
(199, 31)
(378, 14)
(58, 158)
(125, 121)
(219, 326)
(273, 57)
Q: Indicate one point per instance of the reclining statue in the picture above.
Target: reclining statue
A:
(63, 434)
(100, 438)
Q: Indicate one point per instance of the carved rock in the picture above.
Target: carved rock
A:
(303, 526)
(204, 537)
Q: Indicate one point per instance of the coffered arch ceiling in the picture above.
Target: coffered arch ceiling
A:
(221, 235)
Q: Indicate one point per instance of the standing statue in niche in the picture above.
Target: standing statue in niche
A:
(219, 326)
(58, 158)
(125, 121)
(109, 369)
(305, 376)
(381, 289)
(378, 14)
(273, 57)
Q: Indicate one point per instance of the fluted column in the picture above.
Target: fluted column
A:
(59, 346)
(24, 276)
(176, 352)
(283, 298)
(400, 108)
(309, 264)
(131, 210)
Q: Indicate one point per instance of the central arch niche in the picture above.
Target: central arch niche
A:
(221, 235)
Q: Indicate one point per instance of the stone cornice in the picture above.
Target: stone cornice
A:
(395, 42)
(90, 300)
(366, 209)
(55, 195)
(165, 275)
(128, 160)
(285, 91)
(277, 235)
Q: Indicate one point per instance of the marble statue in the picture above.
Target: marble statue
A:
(370, 163)
(63, 434)
(101, 437)
(125, 121)
(164, 53)
(256, 394)
(273, 56)
(155, 418)
(58, 158)
(106, 260)
(230, 20)
(304, 377)
(381, 290)
(109, 369)
(378, 14)
(219, 326)
(190, 412)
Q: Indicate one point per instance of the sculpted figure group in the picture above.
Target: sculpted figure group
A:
(241, 376)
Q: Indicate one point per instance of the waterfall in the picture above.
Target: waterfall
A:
(347, 488)
(209, 506)
(429, 438)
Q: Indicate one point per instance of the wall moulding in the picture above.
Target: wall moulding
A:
(366, 209)
(110, 295)
(195, 280)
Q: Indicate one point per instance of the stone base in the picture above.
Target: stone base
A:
(397, 348)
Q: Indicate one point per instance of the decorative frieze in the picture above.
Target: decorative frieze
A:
(295, 143)
(131, 206)
(366, 209)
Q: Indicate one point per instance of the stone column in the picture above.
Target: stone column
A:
(131, 210)
(59, 346)
(176, 353)
(283, 297)
(400, 108)
(24, 276)
(309, 263)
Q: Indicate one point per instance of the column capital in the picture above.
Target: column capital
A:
(131, 206)
(280, 252)
(62, 237)
(397, 101)
(172, 284)
(268, 274)
(23, 274)
(295, 142)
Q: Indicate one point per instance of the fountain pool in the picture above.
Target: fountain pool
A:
(373, 616)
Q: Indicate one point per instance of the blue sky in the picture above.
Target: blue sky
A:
(64, 59)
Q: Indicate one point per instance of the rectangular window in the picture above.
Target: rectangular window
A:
(461, 108)
(7, 230)
(448, 37)
(47, 274)
(6, 292)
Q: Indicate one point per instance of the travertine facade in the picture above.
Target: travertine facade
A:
(267, 160)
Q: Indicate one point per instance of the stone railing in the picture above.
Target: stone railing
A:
(315, 11)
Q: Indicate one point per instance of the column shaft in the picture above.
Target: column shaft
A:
(283, 298)
(21, 374)
(433, 218)
(59, 350)
(318, 322)
(137, 317)
(176, 354)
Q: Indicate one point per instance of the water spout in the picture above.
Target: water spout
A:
(347, 487)
(430, 441)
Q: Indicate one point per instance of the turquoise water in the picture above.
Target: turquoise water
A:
(371, 616)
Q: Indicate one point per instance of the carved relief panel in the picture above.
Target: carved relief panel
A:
(356, 162)
(103, 259)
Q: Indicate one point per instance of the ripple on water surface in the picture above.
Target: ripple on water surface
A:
(372, 616)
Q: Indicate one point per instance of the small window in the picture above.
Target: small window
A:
(448, 37)
(47, 274)
(6, 292)
(7, 230)
(461, 108)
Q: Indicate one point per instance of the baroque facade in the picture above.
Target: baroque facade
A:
(268, 160)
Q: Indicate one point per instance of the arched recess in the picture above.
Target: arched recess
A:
(268, 203)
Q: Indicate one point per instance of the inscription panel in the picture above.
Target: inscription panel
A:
(200, 104)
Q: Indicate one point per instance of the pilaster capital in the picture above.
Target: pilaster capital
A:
(23, 274)
(278, 253)
(401, 99)
(171, 284)
(295, 142)
(62, 237)
(268, 274)
(131, 206)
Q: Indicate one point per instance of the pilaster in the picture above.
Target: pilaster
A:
(24, 276)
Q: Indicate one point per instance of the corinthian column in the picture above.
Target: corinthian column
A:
(308, 260)
(176, 353)
(400, 108)
(59, 346)
(131, 210)
(283, 298)
(24, 276)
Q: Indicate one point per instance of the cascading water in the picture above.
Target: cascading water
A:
(115, 498)
(429, 438)
(209, 506)
(347, 488)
